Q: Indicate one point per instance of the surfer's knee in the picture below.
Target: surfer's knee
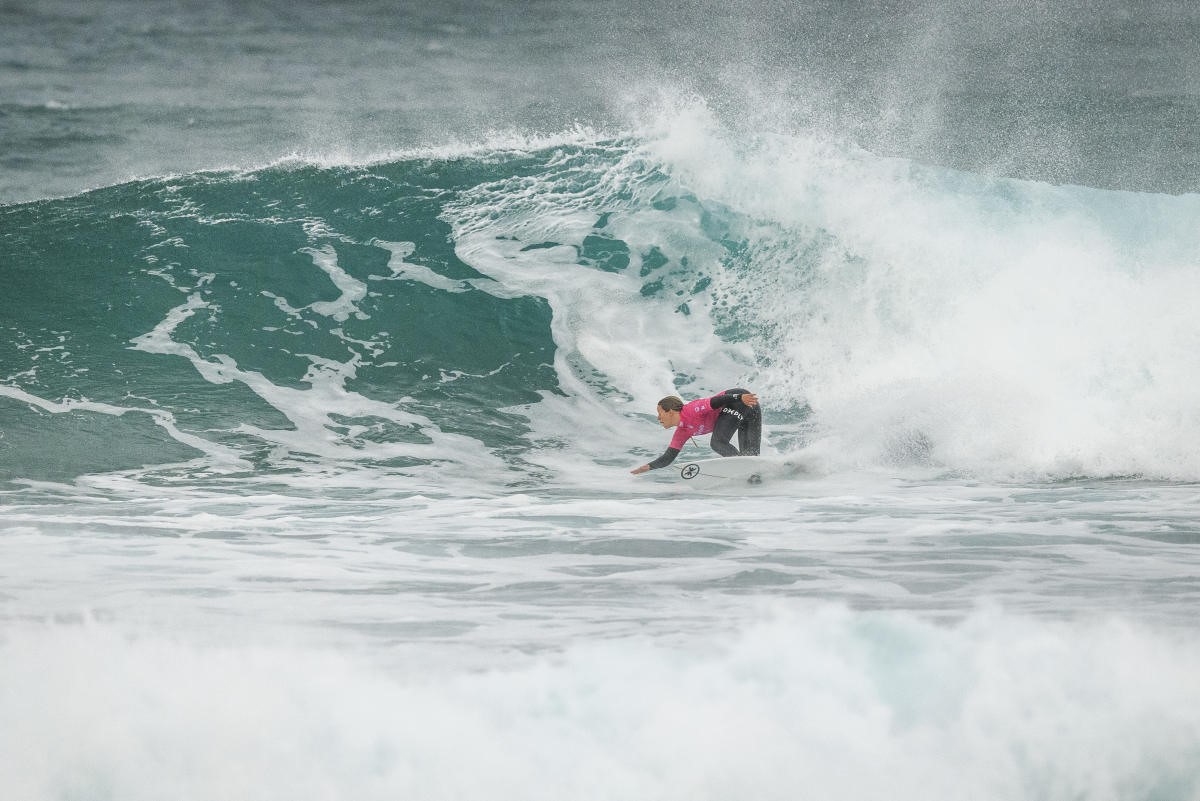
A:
(723, 447)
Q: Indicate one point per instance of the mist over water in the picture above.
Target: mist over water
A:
(1092, 93)
(329, 334)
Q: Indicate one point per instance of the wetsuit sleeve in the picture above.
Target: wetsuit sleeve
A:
(721, 401)
(664, 460)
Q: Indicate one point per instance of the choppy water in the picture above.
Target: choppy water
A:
(330, 334)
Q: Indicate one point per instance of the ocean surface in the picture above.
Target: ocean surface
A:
(329, 334)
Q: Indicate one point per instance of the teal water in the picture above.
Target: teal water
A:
(324, 364)
(270, 263)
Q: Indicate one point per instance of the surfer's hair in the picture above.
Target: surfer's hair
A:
(671, 403)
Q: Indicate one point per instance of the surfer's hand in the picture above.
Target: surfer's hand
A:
(638, 470)
(750, 399)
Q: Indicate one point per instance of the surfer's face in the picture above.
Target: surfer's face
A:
(667, 419)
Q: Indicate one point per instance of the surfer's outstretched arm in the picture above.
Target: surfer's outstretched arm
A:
(668, 456)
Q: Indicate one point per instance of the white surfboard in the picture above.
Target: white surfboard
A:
(734, 471)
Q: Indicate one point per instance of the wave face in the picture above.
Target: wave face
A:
(505, 311)
(248, 313)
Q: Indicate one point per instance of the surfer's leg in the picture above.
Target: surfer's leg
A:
(723, 432)
(750, 431)
(749, 424)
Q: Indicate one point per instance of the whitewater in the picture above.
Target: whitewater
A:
(315, 450)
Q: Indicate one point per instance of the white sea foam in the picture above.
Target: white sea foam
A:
(1022, 328)
(818, 701)
(352, 290)
(407, 271)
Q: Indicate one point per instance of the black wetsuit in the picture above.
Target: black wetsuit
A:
(736, 416)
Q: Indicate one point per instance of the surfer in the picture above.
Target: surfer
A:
(732, 410)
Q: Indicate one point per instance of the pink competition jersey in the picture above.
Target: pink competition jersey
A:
(697, 417)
